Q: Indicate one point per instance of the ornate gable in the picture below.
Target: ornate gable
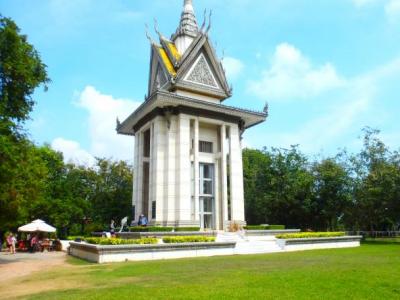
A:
(201, 73)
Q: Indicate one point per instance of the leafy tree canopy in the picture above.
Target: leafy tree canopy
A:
(21, 71)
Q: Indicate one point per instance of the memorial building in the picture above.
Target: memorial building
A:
(188, 154)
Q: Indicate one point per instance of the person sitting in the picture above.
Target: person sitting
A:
(142, 220)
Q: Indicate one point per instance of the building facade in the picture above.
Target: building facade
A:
(188, 154)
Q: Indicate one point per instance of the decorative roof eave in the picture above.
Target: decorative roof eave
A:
(163, 99)
(202, 90)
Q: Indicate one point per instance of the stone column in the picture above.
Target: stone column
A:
(171, 171)
(139, 177)
(183, 215)
(136, 175)
(151, 172)
(224, 182)
(236, 176)
(158, 168)
(196, 170)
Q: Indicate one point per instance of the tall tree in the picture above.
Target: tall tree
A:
(332, 185)
(21, 72)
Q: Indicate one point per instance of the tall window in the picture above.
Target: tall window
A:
(206, 147)
(206, 195)
(146, 143)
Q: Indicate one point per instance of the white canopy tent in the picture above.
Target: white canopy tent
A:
(37, 225)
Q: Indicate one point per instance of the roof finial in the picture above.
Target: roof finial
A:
(209, 22)
(188, 23)
(148, 35)
(156, 29)
(204, 20)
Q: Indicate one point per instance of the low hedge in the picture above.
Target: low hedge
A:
(116, 241)
(308, 235)
(187, 229)
(75, 237)
(188, 239)
(150, 229)
(264, 227)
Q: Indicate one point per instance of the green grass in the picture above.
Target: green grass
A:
(371, 271)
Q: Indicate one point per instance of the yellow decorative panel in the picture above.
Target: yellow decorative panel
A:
(166, 61)
(173, 50)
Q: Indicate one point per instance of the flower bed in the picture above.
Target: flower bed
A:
(308, 235)
(264, 227)
(177, 229)
(188, 239)
(117, 241)
(150, 229)
(161, 229)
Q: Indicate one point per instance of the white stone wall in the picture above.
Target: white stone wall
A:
(171, 175)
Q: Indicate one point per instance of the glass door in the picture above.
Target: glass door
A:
(206, 196)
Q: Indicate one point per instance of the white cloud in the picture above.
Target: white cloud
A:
(391, 7)
(392, 11)
(292, 76)
(72, 151)
(233, 67)
(104, 141)
(357, 103)
(362, 3)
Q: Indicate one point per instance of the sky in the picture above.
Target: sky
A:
(326, 68)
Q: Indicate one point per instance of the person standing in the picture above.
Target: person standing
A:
(11, 241)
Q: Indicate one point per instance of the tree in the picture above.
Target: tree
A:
(332, 185)
(278, 187)
(21, 72)
(112, 197)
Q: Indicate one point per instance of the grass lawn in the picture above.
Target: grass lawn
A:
(371, 271)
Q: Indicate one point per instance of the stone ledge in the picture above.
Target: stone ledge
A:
(134, 248)
(320, 240)
(270, 231)
(138, 235)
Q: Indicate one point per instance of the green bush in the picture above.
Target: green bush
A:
(307, 235)
(188, 239)
(150, 229)
(264, 227)
(94, 227)
(187, 229)
(116, 241)
(74, 237)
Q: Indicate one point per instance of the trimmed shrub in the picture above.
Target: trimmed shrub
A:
(150, 229)
(307, 235)
(116, 241)
(264, 227)
(188, 239)
(187, 229)
(75, 237)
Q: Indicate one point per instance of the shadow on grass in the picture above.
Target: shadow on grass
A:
(381, 242)
(78, 261)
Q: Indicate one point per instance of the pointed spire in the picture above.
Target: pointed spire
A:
(188, 23)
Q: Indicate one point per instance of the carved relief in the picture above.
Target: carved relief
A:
(201, 73)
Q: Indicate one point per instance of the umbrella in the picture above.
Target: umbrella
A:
(37, 225)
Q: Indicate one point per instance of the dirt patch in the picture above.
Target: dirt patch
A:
(24, 275)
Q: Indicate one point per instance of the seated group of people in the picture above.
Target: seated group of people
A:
(34, 243)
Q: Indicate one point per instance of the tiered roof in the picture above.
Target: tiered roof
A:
(187, 63)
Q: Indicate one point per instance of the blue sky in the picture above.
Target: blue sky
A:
(327, 68)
